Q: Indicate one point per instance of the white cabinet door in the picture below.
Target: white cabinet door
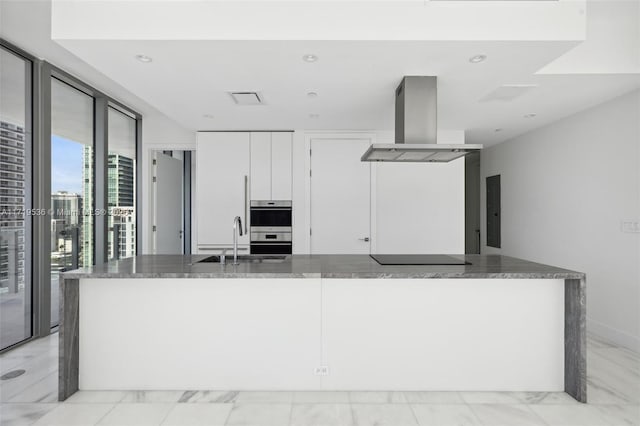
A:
(281, 173)
(222, 174)
(260, 165)
(340, 197)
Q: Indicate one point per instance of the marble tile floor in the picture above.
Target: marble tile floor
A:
(31, 399)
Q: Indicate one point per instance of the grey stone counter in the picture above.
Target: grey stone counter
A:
(319, 266)
(326, 266)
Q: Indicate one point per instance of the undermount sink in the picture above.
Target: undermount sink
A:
(246, 259)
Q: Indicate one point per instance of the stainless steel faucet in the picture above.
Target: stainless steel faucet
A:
(237, 228)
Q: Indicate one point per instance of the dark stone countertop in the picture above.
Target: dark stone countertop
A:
(320, 266)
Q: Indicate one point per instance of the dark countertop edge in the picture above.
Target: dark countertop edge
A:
(326, 275)
(462, 275)
(322, 266)
(192, 275)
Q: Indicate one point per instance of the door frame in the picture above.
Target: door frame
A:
(188, 197)
(185, 209)
(148, 199)
(369, 136)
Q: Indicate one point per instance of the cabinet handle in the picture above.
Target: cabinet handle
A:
(365, 239)
(246, 202)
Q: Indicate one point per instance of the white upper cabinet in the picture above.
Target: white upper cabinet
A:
(260, 165)
(281, 147)
(271, 165)
(233, 168)
(222, 186)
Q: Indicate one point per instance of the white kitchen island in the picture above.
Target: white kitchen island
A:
(322, 323)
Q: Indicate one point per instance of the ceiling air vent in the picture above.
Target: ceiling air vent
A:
(246, 98)
(508, 92)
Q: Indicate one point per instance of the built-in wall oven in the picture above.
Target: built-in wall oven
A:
(271, 227)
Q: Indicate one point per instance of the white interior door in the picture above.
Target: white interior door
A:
(340, 197)
(168, 196)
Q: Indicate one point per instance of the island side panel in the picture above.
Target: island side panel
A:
(575, 341)
(199, 333)
(68, 337)
(443, 334)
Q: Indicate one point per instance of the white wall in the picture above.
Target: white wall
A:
(416, 208)
(162, 132)
(565, 190)
(300, 171)
(420, 206)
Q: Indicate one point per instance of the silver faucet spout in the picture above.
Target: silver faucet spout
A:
(237, 229)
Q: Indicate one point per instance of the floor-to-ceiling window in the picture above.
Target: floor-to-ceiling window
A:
(15, 214)
(68, 178)
(72, 188)
(122, 185)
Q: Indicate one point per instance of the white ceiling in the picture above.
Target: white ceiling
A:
(318, 20)
(27, 25)
(356, 79)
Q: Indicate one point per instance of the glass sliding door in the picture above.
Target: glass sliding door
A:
(15, 182)
(72, 188)
(121, 185)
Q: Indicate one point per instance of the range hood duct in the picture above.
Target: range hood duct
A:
(416, 127)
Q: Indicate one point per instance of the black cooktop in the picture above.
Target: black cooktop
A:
(417, 259)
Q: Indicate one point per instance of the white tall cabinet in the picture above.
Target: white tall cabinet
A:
(260, 165)
(271, 165)
(233, 168)
(281, 165)
(222, 187)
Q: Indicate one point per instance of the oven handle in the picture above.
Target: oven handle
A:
(271, 243)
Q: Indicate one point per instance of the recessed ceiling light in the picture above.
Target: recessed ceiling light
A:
(208, 116)
(312, 94)
(309, 57)
(314, 116)
(477, 59)
(144, 58)
(530, 115)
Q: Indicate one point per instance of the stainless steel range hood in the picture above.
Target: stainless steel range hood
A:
(416, 127)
